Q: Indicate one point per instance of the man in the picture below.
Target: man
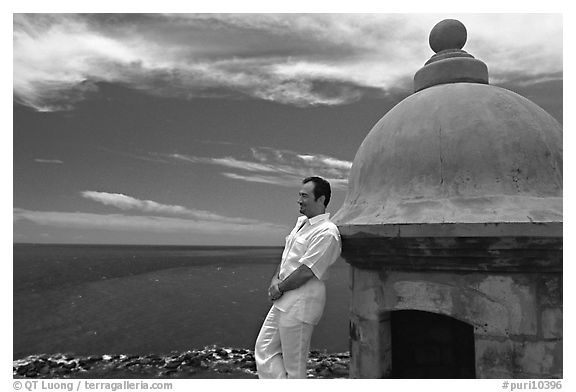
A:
(297, 289)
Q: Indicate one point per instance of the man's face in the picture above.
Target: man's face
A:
(309, 206)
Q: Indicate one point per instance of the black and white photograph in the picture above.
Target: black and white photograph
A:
(287, 195)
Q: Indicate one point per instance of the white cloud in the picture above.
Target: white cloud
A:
(328, 161)
(156, 224)
(278, 57)
(279, 167)
(301, 165)
(286, 181)
(159, 218)
(53, 161)
(125, 202)
(56, 54)
(226, 162)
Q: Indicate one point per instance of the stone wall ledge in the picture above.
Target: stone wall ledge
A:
(500, 254)
(488, 229)
(514, 338)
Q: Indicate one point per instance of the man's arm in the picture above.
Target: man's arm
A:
(296, 279)
(275, 277)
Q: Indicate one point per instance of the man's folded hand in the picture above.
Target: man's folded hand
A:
(273, 292)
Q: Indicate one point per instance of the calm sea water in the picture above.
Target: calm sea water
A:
(102, 299)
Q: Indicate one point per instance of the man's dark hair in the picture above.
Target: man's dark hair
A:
(321, 188)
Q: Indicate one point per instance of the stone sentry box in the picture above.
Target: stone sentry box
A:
(452, 226)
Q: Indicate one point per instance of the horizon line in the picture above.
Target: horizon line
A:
(109, 244)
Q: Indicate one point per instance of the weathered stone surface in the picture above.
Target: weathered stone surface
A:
(452, 295)
(370, 347)
(419, 247)
(366, 303)
(427, 296)
(494, 358)
(454, 69)
(365, 279)
(518, 358)
(431, 159)
(489, 317)
(518, 298)
(551, 322)
(539, 359)
(499, 307)
(550, 290)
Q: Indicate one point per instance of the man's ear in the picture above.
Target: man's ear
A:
(321, 199)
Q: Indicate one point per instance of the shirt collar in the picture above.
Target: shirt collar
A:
(316, 219)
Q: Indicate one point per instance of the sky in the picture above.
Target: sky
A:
(197, 129)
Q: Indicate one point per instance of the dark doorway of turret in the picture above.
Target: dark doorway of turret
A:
(429, 345)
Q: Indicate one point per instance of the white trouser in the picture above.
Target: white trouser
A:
(282, 346)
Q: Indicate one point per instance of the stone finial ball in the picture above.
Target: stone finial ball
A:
(448, 34)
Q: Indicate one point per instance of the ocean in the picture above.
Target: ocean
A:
(141, 300)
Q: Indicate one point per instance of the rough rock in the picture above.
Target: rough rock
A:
(210, 362)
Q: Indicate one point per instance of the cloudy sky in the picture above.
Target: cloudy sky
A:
(197, 129)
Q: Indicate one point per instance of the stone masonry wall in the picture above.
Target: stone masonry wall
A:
(517, 318)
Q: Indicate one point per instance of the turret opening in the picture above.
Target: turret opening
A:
(429, 345)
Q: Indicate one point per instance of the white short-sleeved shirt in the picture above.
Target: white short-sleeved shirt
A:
(316, 244)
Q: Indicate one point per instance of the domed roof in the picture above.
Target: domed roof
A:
(457, 151)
